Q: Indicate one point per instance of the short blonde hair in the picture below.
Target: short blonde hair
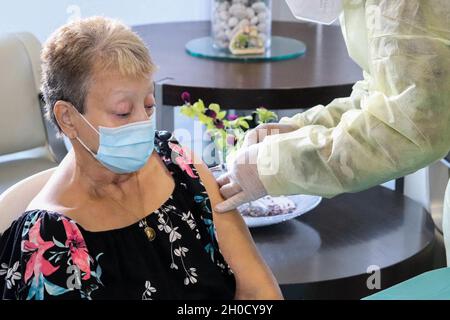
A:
(75, 50)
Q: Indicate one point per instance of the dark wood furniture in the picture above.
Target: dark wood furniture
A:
(326, 253)
(322, 74)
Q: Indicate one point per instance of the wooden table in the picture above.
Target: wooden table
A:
(326, 253)
(322, 74)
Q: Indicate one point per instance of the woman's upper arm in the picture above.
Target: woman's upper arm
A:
(237, 246)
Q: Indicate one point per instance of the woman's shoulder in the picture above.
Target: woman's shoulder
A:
(44, 215)
(178, 158)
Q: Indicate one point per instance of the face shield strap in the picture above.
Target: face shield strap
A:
(316, 11)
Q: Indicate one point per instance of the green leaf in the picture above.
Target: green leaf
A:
(265, 116)
(58, 244)
(221, 115)
(215, 107)
(199, 106)
(244, 124)
(187, 111)
(53, 289)
(205, 119)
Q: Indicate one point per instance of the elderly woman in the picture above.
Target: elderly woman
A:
(127, 214)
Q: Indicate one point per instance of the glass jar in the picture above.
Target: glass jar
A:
(230, 17)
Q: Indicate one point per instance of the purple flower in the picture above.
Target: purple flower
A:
(210, 113)
(232, 117)
(186, 97)
(219, 124)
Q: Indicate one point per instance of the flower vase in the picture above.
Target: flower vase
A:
(252, 18)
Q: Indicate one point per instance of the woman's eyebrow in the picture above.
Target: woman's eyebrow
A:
(151, 89)
(120, 91)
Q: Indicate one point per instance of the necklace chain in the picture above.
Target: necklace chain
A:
(149, 231)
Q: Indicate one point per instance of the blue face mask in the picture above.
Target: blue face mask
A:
(127, 148)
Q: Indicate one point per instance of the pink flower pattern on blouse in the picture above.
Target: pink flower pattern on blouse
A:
(184, 159)
(37, 264)
(77, 246)
(38, 268)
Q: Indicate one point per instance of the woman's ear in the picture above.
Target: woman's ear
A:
(64, 115)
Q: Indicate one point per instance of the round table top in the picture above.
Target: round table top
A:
(344, 236)
(325, 72)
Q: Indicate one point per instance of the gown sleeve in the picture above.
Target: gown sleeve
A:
(397, 120)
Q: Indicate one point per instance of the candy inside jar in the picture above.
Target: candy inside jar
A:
(242, 26)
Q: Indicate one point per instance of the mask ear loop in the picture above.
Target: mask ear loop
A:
(87, 149)
(90, 125)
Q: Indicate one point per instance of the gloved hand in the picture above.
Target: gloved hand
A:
(258, 134)
(241, 184)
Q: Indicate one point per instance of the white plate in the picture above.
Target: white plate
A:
(304, 204)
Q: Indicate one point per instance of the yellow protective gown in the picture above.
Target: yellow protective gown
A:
(397, 119)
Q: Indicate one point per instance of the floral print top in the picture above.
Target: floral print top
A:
(46, 255)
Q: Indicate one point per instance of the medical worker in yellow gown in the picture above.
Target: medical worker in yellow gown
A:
(396, 121)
